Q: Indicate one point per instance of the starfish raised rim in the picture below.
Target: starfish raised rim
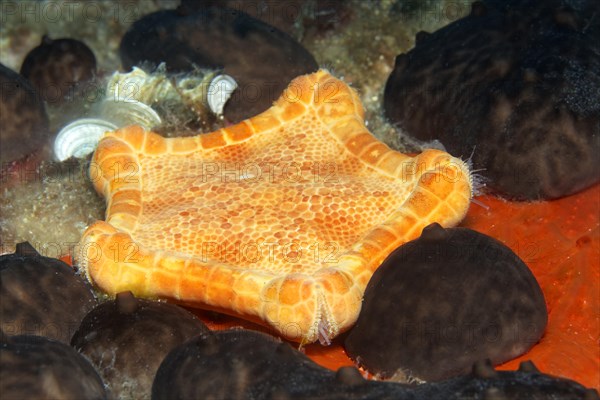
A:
(300, 306)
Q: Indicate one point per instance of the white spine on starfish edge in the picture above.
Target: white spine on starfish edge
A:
(325, 330)
(323, 333)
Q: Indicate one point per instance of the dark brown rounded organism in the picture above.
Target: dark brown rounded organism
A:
(516, 83)
(127, 338)
(262, 59)
(41, 296)
(486, 383)
(238, 364)
(35, 367)
(57, 67)
(445, 301)
(243, 364)
(23, 120)
(309, 17)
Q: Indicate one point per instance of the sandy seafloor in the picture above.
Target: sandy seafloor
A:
(51, 207)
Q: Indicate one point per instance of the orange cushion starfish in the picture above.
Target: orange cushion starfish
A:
(282, 218)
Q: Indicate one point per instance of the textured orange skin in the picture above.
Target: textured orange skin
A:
(560, 242)
(165, 206)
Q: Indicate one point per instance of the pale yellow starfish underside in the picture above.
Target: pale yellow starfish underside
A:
(282, 218)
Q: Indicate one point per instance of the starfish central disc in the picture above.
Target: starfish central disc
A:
(282, 218)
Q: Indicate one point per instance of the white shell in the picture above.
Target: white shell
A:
(219, 92)
(80, 137)
(140, 86)
(123, 112)
(199, 90)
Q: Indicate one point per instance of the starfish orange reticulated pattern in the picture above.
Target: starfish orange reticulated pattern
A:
(282, 218)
